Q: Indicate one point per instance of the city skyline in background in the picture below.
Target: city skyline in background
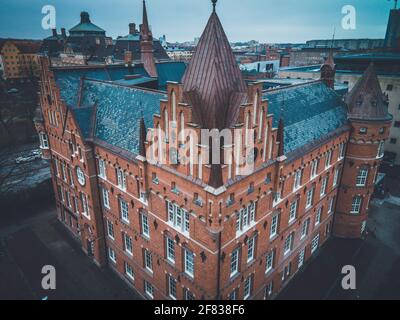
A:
(261, 20)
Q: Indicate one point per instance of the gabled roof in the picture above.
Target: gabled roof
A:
(309, 111)
(213, 83)
(366, 100)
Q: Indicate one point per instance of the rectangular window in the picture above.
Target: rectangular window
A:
(293, 211)
(189, 262)
(128, 244)
(110, 229)
(129, 271)
(170, 250)
(270, 261)
(288, 244)
(342, 147)
(356, 205)
(314, 168)
(233, 295)
(301, 258)
(64, 172)
(328, 159)
(189, 295)
(121, 179)
(124, 210)
(336, 177)
(145, 225)
(362, 178)
(269, 290)
(71, 177)
(246, 217)
(297, 179)
(56, 167)
(148, 260)
(85, 206)
(44, 141)
(381, 149)
(310, 196)
(171, 287)
(149, 289)
(106, 198)
(318, 216)
(112, 256)
(314, 244)
(102, 169)
(251, 249)
(274, 226)
(235, 262)
(304, 228)
(248, 287)
(331, 205)
(324, 185)
(178, 217)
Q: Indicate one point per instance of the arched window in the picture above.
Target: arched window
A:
(182, 125)
(173, 101)
(261, 124)
(160, 137)
(255, 105)
(166, 124)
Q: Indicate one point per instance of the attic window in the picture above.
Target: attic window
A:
(363, 130)
(374, 103)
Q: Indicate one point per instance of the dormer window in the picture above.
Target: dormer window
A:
(363, 130)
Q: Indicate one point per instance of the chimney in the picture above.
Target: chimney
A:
(132, 28)
(63, 33)
(54, 32)
(128, 58)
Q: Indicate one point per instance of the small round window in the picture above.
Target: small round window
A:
(80, 176)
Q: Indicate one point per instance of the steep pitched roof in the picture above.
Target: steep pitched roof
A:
(366, 100)
(213, 83)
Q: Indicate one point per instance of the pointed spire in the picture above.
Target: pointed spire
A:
(280, 138)
(213, 83)
(142, 137)
(214, 3)
(366, 100)
(146, 45)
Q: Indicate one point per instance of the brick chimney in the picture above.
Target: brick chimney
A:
(54, 32)
(132, 28)
(128, 58)
(63, 32)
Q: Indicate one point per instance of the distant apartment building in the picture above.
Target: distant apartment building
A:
(20, 59)
(346, 44)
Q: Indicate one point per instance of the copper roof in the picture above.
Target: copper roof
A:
(213, 83)
(366, 100)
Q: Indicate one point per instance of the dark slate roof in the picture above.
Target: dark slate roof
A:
(170, 71)
(68, 80)
(84, 117)
(133, 44)
(311, 111)
(119, 110)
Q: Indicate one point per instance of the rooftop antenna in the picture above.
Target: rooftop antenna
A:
(333, 36)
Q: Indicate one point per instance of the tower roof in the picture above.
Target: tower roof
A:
(145, 27)
(213, 83)
(366, 100)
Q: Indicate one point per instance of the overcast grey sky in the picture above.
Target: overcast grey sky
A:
(180, 20)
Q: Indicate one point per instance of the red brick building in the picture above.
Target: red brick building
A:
(193, 230)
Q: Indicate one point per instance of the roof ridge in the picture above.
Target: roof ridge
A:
(294, 85)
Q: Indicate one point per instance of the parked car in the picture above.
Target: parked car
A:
(13, 91)
(32, 156)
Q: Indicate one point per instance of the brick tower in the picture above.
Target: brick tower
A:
(328, 71)
(146, 45)
(370, 124)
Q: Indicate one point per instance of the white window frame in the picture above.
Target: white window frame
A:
(121, 179)
(148, 260)
(362, 177)
(342, 147)
(144, 219)
(102, 169)
(328, 159)
(269, 261)
(189, 295)
(315, 243)
(305, 228)
(44, 141)
(129, 271)
(85, 205)
(234, 265)
(336, 177)
(149, 289)
(302, 255)
(268, 290)
(112, 255)
(274, 226)
(356, 205)
(288, 245)
(310, 198)
(178, 218)
(331, 205)
(110, 230)
(314, 168)
(381, 150)
(248, 287)
(171, 287)
(251, 249)
(124, 210)
(106, 197)
(246, 218)
(318, 216)
(170, 249)
(324, 185)
(297, 179)
(189, 263)
(128, 244)
(293, 210)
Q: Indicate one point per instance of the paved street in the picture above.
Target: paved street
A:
(25, 247)
(376, 259)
